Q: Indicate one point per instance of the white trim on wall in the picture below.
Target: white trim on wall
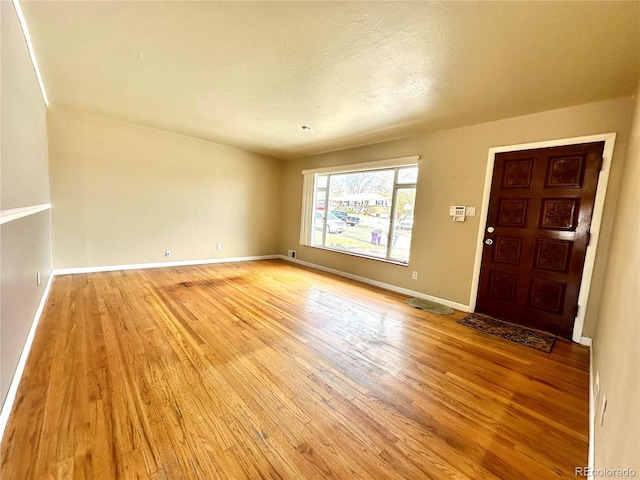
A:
(17, 375)
(135, 266)
(386, 286)
(27, 37)
(11, 214)
(378, 164)
(596, 221)
(591, 455)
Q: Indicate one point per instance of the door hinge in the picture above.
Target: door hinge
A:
(588, 238)
(600, 164)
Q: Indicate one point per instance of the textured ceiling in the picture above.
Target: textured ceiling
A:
(250, 74)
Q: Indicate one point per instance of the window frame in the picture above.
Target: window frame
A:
(310, 189)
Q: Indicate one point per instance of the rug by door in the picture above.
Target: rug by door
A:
(524, 336)
(429, 306)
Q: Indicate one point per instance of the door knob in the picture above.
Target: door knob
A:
(488, 241)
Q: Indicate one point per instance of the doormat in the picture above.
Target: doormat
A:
(428, 306)
(524, 336)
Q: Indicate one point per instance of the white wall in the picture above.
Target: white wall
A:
(616, 342)
(25, 244)
(124, 193)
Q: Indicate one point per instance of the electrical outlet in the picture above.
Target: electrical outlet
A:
(167, 253)
(292, 254)
(414, 275)
(219, 246)
(38, 279)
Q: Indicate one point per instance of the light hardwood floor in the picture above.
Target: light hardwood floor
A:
(269, 370)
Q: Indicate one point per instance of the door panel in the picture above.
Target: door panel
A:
(540, 209)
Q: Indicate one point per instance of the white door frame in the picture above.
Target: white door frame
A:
(596, 221)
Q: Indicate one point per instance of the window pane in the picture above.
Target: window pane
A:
(356, 213)
(359, 187)
(408, 175)
(321, 199)
(318, 217)
(362, 201)
(322, 181)
(403, 224)
(318, 226)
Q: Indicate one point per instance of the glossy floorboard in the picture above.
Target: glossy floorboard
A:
(268, 370)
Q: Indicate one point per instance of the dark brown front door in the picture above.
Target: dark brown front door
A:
(537, 234)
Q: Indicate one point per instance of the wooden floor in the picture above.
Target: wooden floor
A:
(268, 370)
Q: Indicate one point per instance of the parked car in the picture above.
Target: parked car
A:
(351, 220)
(334, 224)
(340, 214)
(407, 223)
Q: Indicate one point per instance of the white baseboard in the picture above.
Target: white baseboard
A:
(17, 376)
(592, 412)
(135, 266)
(586, 341)
(386, 286)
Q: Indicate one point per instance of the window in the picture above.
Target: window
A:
(365, 210)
